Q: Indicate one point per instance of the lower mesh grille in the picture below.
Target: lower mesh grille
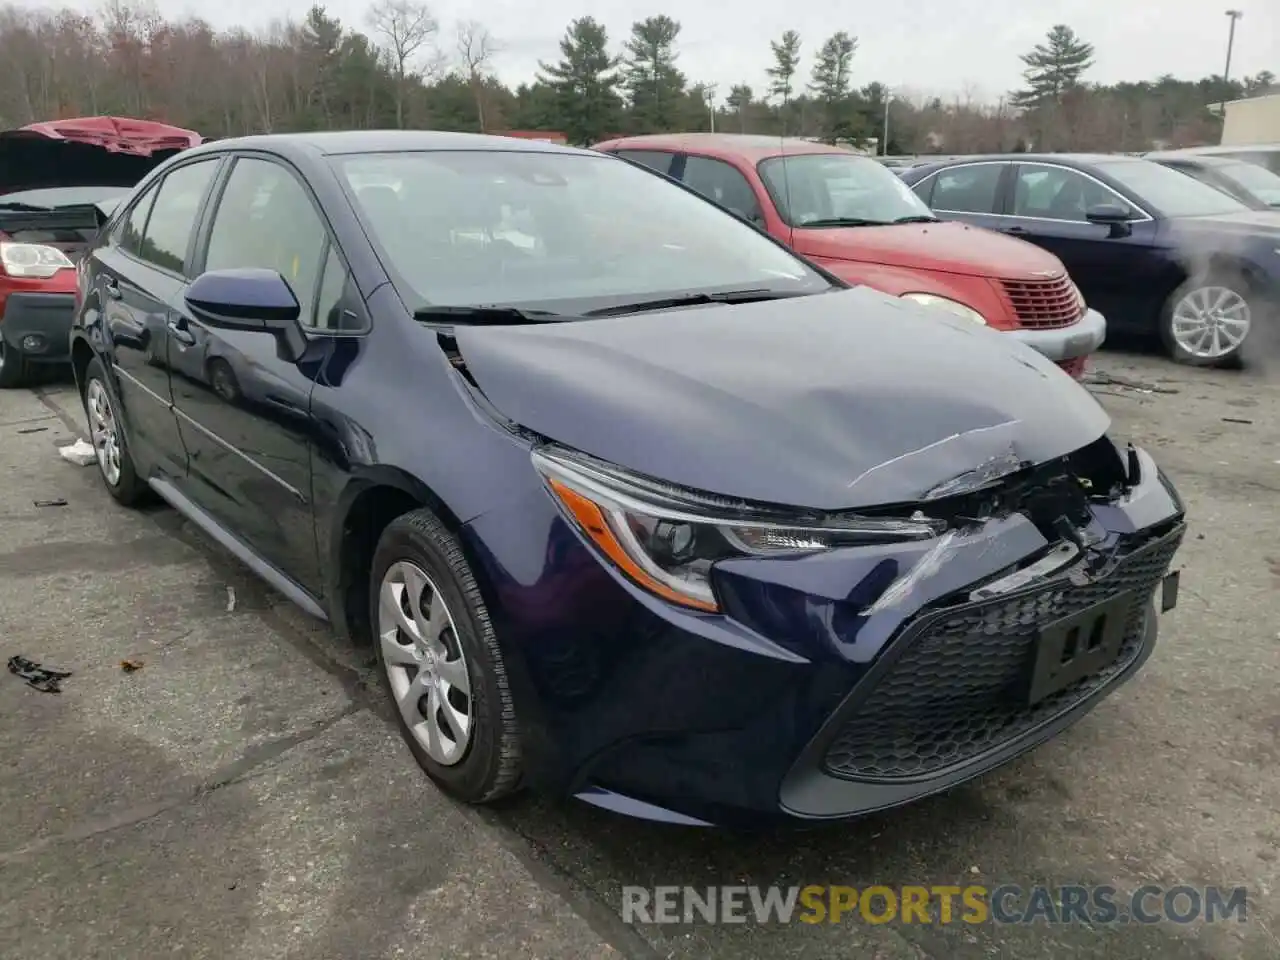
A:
(958, 690)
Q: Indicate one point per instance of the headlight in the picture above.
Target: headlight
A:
(951, 306)
(32, 260)
(665, 539)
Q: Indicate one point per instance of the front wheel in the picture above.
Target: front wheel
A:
(15, 370)
(441, 664)
(1207, 320)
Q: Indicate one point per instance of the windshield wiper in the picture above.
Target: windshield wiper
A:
(25, 207)
(753, 295)
(843, 222)
(917, 218)
(484, 313)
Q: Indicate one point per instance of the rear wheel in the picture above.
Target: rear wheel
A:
(15, 370)
(441, 664)
(1208, 319)
(114, 462)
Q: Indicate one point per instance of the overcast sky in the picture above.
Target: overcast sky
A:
(928, 46)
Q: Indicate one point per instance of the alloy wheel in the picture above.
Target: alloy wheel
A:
(1211, 322)
(104, 431)
(425, 663)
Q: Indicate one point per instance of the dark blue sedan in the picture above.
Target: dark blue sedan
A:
(633, 504)
(1154, 251)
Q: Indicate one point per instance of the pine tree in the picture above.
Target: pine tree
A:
(786, 60)
(586, 83)
(1053, 68)
(654, 85)
(830, 84)
(738, 100)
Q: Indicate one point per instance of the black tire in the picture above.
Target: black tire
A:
(129, 489)
(490, 769)
(1231, 281)
(15, 370)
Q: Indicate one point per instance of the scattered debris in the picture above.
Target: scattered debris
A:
(231, 599)
(1108, 380)
(81, 453)
(51, 502)
(33, 430)
(1236, 420)
(36, 676)
(131, 666)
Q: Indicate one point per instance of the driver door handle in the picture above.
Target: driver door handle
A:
(177, 328)
(111, 288)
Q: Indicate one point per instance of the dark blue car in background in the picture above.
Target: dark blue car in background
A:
(633, 504)
(1153, 250)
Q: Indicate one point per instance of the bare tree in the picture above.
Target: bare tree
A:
(406, 28)
(476, 47)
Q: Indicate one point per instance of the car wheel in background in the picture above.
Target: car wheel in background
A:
(1207, 321)
(440, 661)
(114, 463)
(15, 371)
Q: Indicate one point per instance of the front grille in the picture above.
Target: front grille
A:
(957, 691)
(1043, 304)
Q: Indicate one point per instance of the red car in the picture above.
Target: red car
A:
(59, 182)
(854, 217)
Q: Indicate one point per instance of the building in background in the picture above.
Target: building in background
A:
(1252, 120)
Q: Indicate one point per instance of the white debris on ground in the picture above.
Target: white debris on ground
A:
(231, 599)
(81, 453)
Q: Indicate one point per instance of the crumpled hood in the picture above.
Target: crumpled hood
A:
(948, 247)
(88, 151)
(834, 401)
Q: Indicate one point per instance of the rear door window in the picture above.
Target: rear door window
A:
(174, 214)
(968, 189)
(135, 224)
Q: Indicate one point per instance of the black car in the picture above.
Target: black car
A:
(632, 503)
(1153, 250)
(1253, 185)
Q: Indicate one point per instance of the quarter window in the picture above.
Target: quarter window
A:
(653, 159)
(971, 189)
(174, 214)
(722, 184)
(330, 313)
(266, 219)
(1056, 193)
(136, 223)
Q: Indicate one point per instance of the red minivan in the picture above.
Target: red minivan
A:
(854, 217)
(59, 181)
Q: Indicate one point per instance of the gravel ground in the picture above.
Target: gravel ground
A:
(243, 794)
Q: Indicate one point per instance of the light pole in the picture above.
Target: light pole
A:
(1233, 15)
(710, 90)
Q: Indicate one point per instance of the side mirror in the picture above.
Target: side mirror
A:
(1112, 215)
(249, 299)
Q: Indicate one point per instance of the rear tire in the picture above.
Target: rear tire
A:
(15, 370)
(1218, 304)
(433, 636)
(115, 464)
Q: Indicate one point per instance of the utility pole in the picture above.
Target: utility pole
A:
(884, 143)
(1233, 15)
(711, 104)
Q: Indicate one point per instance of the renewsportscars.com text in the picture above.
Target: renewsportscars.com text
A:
(972, 903)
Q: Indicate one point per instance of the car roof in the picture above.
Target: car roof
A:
(1204, 161)
(1225, 149)
(338, 142)
(745, 146)
(1062, 159)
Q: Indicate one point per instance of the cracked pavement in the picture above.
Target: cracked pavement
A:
(244, 795)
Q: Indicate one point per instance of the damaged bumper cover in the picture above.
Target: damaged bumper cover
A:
(1081, 339)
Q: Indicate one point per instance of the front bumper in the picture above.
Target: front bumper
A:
(1080, 339)
(38, 325)
(791, 705)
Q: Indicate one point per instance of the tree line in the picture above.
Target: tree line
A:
(400, 68)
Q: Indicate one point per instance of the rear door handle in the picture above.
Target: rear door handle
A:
(1015, 230)
(178, 330)
(111, 288)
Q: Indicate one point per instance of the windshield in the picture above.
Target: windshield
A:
(64, 196)
(1259, 181)
(1171, 193)
(567, 232)
(811, 187)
